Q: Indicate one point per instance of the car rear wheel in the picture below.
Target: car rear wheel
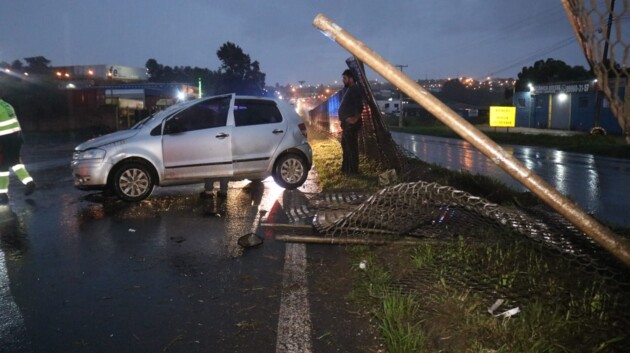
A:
(133, 182)
(290, 171)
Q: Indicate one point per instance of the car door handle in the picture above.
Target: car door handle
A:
(277, 131)
(221, 135)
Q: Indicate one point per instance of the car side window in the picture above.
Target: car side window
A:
(204, 115)
(255, 112)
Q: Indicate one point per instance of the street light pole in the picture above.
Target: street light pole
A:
(400, 106)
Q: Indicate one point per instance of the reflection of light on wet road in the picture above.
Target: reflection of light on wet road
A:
(596, 184)
(527, 158)
(11, 320)
(559, 172)
(592, 180)
(10, 316)
(271, 196)
(246, 203)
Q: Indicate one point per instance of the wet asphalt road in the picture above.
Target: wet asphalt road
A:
(597, 184)
(81, 272)
(94, 274)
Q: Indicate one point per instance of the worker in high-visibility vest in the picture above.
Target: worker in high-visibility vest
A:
(10, 147)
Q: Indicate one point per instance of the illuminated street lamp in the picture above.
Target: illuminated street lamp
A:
(562, 97)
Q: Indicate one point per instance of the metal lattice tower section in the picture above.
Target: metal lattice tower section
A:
(602, 28)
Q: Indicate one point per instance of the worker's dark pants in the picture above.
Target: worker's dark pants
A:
(350, 149)
(10, 146)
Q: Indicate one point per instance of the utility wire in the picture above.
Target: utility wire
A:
(540, 19)
(536, 55)
(545, 51)
(510, 31)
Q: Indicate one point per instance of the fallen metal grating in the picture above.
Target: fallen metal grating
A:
(430, 209)
(300, 214)
(474, 246)
(303, 210)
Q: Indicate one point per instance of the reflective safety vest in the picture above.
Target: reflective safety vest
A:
(8, 121)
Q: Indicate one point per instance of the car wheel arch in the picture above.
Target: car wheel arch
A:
(291, 151)
(144, 161)
(147, 163)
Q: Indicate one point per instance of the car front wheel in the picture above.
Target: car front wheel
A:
(133, 182)
(290, 171)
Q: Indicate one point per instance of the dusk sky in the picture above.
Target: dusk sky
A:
(435, 39)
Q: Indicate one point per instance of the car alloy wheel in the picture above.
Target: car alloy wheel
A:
(133, 182)
(291, 171)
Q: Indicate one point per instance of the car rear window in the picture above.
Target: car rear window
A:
(256, 112)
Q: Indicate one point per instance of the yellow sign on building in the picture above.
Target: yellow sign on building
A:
(502, 116)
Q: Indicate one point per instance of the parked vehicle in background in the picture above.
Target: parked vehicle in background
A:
(236, 137)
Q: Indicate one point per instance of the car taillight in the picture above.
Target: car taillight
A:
(303, 129)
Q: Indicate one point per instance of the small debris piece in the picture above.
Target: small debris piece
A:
(178, 239)
(250, 240)
(507, 314)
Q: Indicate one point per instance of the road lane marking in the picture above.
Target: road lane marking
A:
(294, 319)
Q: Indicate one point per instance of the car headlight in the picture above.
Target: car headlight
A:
(95, 153)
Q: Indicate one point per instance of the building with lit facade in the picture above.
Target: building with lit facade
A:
(567, 106)
(98, 73)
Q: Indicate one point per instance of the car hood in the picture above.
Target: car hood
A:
(106, 139)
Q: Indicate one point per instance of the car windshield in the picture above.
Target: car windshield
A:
(141, 123)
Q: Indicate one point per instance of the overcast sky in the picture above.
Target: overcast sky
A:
(435, 39)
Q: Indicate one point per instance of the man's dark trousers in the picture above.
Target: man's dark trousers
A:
(350, 149)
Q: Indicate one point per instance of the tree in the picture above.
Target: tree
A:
(238, 73)
(183, 74)
(17, 65)
(37, 64)
(154, 69)
(454, 91)
(551, 71)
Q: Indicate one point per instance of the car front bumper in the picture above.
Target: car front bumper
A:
(90, 174)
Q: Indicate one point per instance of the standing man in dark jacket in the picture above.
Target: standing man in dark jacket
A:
(350, 119)
(10, 147)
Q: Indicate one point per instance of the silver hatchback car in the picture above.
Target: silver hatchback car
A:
(227, 136)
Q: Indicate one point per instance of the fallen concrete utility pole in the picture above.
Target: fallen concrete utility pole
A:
(603, 236)
(312, 239)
